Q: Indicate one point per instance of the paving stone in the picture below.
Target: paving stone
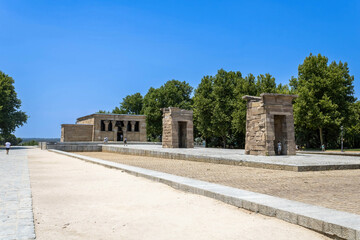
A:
(16, 217)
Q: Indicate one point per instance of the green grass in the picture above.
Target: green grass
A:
(345, 150)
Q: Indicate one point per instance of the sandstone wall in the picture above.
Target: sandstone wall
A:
(76, 133)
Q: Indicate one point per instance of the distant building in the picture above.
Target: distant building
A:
(96, 127)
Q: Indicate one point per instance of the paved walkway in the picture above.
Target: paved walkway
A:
(74, 199)
(16, 216)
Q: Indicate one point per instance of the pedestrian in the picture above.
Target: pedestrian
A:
(125, 141)
(323, 147)
(279, 148)
(106, 140)
(7, 146)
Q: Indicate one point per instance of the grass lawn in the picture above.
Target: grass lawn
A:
(345, 150)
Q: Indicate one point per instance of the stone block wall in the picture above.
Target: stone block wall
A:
(76, 132)
(178, 128)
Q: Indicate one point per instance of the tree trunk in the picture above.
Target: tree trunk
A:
(224, 140)
(321, 137)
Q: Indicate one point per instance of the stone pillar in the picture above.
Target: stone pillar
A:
(106, 122)
(115, 129)
(133, 126)
(124, 128)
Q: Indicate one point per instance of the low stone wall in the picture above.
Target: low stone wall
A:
(85, 146)
(76, 147)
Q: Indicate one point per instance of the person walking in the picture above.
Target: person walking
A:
(323, 147)
(7, 146)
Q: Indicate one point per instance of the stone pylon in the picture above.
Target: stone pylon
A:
(270, 120)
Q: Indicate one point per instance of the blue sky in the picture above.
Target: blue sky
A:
(73, 58)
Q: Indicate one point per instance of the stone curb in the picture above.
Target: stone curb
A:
(331, 153)
(324, 220)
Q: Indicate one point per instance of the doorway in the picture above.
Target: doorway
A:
(120, 136)
(182, 134)
(280, 134)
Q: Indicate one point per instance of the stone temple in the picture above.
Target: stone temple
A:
(177, 128)
(269, 119)
(96, 127)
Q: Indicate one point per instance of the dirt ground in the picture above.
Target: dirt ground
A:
(338, 189)
(73, 199)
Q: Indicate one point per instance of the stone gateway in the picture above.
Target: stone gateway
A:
(96, 127)
(177, 128)
(270, 124)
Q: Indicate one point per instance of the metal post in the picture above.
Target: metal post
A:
(342, 139)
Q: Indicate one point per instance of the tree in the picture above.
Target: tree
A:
(10, 115)
(223, 107)
(131, 104)
(103, 112)
(325, 95)
(220, 111)
(173, 93)
(151, 109)
(203, 107)
(245, 86)
(352, 131)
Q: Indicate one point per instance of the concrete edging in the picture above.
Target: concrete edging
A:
(351, 154)
(324, 220)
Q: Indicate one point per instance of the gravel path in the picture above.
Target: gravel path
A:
(332, 189)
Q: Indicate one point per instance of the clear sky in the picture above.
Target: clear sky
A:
(73, 58)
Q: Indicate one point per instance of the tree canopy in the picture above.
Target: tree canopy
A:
(131, 104)
(326, 102)
(10, 115)
(220, 112)
(325, 96)
(173, 93)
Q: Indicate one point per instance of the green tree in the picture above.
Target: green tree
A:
(325, 95)
(223, 104)
(131, 104)
(203, 107)
(352, 131)
(151, 109)
(245, 86)
(103, 112)
(10, 115)
(220, 112)
(173, 93)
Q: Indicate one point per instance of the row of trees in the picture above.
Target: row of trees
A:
(326, 102)
(10, 115)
